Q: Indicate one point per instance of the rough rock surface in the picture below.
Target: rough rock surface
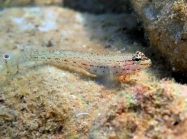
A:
(166, 24)
(144, 113)
(14, 3)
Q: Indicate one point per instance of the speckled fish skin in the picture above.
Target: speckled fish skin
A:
(94, 63)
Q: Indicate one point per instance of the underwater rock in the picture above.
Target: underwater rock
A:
(150, 111)
(12, 3)
(166, 24)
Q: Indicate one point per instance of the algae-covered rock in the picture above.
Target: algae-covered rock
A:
(166, 24)
(154, 110)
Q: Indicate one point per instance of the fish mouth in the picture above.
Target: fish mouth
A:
(149, 63)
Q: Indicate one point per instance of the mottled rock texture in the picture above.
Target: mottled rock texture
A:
(11, 3)
(150, 111)
(166, 24)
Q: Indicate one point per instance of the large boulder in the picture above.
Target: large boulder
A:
(166, 24)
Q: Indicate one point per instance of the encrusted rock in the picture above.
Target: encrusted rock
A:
(166, 24)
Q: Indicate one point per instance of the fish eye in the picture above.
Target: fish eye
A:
(136, 58)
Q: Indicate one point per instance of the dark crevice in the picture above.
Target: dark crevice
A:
(179, 77)
(98, 6)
